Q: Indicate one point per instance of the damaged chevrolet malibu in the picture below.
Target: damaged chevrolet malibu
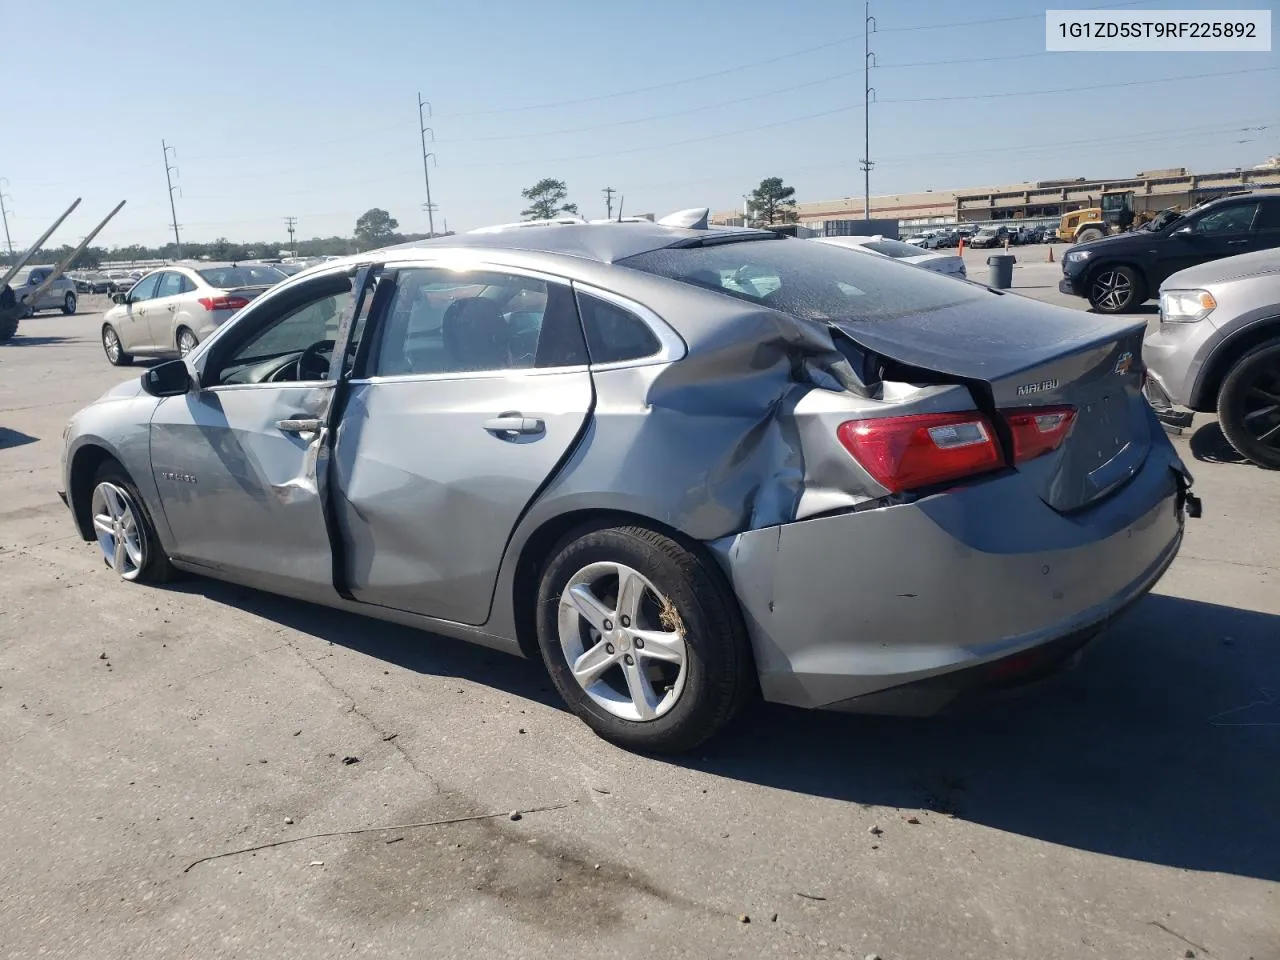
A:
(687, 468)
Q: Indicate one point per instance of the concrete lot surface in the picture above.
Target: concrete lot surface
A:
(1126, 810)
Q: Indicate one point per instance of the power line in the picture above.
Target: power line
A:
(423, 130)
(868, 58)
(4, 215)
(751, 65)
(169, 170)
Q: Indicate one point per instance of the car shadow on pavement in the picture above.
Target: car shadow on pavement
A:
(15, 438)
(22, 340)
(1161, 746)
(404, 647)
(1210, 444)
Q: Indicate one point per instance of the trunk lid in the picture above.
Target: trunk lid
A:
(1016, 354)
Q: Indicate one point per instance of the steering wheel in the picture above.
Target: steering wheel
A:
(313, 362)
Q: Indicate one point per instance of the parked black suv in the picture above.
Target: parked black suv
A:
(1119, 273)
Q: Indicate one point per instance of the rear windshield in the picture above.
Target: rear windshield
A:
(816, 281)
(245, 275)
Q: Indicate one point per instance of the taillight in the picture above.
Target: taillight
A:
(1038, 431)
(223, 303)
(902, 453)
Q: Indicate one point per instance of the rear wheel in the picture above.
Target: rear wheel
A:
(111, 347)
(186, 341)
(641, 640)
(69, 304)
(1116, 289)
(126, 536)
(1249, 405)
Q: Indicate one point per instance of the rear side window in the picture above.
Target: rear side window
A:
(615, 334)
(811, 280)
(1269, 215)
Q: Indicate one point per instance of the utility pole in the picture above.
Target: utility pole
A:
(169, 171)
(423, 129)
(868, 60)
(608, 202)
(290, 223)
(4, 214)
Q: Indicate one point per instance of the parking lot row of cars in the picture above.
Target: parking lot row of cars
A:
(989, 236)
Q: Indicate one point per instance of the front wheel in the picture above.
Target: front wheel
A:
(642, 639)
(112, 348)
(123, 528)
(1116, 289)
(1249, 405)
(1088, 234)
(69, 304)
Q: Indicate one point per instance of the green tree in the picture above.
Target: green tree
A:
(376, 228)
(772, 202)
(546, 200)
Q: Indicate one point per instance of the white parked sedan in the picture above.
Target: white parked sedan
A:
(170, 310)
(944, 263)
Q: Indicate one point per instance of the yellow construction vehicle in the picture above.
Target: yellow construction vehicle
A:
(1114, 215)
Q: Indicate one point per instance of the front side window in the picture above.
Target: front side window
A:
(1237, 218)
(145, 288)
(288, 341)
(445, 321)
(814, 281)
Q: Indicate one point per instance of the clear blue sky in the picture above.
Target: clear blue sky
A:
(297, 108)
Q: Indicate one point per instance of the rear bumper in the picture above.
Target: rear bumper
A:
(903, 609)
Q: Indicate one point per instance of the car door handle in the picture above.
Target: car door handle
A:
(513, 425)
(300, 425)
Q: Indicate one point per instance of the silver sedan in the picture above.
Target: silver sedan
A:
(683, 467)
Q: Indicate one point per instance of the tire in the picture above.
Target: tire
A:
(1088, 234)
(124, 529)
(69, 304)
(8, 327)
(689, 701)
(186, 341)
(1242, 412)
(1116, 289)
(112, 348)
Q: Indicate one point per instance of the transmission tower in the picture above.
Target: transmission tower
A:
(423, 130)
(169, 171)
(868, 61)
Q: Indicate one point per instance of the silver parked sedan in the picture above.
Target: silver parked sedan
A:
(169, 311)
(1217, 350)
(682, 466)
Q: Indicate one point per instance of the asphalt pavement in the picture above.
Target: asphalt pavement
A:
(153, 738)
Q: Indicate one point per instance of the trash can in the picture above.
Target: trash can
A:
(1000, 270)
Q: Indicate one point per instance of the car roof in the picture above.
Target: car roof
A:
(600, 242)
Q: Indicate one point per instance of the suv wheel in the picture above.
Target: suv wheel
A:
(642, 640)
(1249, 405)
(69, 304)
(1116, 289)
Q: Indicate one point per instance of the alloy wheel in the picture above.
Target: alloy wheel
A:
(120, 537)
(1262, 406)
(623, 641)
(186, 342)
(1112, 290)
(111, 344)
